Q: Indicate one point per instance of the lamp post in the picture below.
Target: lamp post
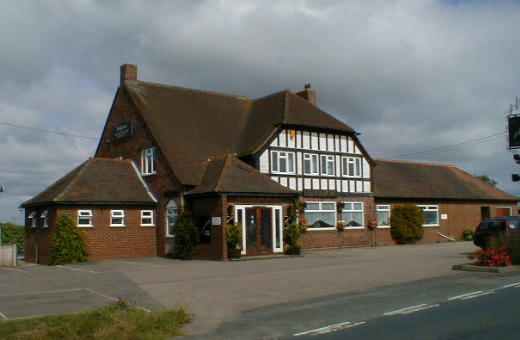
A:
(2, 189)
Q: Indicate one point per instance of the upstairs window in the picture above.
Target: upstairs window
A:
(353, 215)
(310, 164)
(43, 216)
(85, 218)
(32, 219)
(351, 167)
(148, 161)
(282, 162)
(117, 218)
(147, 218)
(327, 165)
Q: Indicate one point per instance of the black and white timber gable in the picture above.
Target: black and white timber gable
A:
(314, 161)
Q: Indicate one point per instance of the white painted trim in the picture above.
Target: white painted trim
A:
(91, 215)
(434, 225)
(121, 216)
(280, 172)
(242, 208)
(143, 182)
(389, 210)
(309, 228)
(362, 211)
(152, 216)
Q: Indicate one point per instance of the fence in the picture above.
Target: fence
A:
(8, 255)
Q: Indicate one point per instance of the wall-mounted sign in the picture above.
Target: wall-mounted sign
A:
(513, 124)
(444, 216)
(216, 220)
(122, 131)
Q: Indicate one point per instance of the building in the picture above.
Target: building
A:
(254, 162)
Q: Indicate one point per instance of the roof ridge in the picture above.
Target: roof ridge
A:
(187, 89)
(83, 166)
(220, 175)
(430, 163)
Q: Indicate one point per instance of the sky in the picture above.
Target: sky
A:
(411, 76)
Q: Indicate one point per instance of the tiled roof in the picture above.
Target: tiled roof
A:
(229, 174)
(411, 180)
(193, 126)
(97, 181)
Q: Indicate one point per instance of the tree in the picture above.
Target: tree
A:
(13, 234)
(68, 245)
(406, 224)
(488, 180)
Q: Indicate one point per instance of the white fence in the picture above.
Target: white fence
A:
(8, 255)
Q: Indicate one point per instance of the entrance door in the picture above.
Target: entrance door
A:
(485, 213)
(262, 231)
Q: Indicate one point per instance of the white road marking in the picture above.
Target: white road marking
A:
(464, 295)
(478, 295)
(44, 292)
(399, 311)
(419, 309)
(100, 294)
(2, 316)
(512, 285)
(331, 328)
(78, 269)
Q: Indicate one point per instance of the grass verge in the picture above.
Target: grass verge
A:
(116, 321)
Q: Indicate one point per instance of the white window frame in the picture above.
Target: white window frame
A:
(328, 159)
(384, 208)
(117, 213)
(310, 158)
(171, 204)
(87, 213)
(431, 207)
(44, 216)
(148, 161)
(32, 218)
(346, 161)
(362, 211)
(309, 227)
(151, 216)
(285, 155)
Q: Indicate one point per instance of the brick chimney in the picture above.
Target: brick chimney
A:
(128, 72)
(308, 94)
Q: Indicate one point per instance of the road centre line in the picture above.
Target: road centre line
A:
(45, 292)
(399, 311)
(478, 295)
(464, 295)
(512, 285)
(331, 328)
(420, 309)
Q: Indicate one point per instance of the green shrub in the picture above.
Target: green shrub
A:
(292, 233)
(467, 235)
(233, 236)
(406, 224)
(68, 245)
(13, 234)
(186, 237)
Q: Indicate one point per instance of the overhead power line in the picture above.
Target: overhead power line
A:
(478, 140)
(61, 133)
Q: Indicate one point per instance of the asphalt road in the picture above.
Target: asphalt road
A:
(492, 314)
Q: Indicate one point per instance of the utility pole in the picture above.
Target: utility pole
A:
(513, 128)
(2, 189)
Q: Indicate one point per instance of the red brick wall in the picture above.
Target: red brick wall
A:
(163, 184)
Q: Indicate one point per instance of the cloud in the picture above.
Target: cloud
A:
(409, 75)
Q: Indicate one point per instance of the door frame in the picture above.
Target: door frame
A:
(274, 208)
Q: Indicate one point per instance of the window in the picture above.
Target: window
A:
(282, 162)
(84, 218)
(147, 218)
(32, 219)
(383, 216)
(353, 215)
(430, 215)
(148, 160)
(327, 165)
(310, 164)
(321, 215)
(44, 218)
(351, 167)
(117, 218)
(172, 214)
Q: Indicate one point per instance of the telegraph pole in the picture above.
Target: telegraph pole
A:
(2, 189)
(513, 129)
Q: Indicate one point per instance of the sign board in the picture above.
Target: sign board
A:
(513, 124)
(122, 131)
(216, 220)
(444, 216)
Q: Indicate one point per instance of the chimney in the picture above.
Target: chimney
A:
(308, 94)
(128, 72)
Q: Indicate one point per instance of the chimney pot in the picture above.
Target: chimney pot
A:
(308, 94)
(128, 72)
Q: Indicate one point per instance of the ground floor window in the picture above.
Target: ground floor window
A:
(320, 215)
(32, 219)
(353, 215)
(383, 215)
(172, 214)
(44, 217)
(117, 218)
(84, 218)
(147, 218)
(430, 215)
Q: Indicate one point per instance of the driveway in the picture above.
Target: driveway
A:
(217, 292)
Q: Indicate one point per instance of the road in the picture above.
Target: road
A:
(491, 314)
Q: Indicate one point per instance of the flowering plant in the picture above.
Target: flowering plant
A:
(493, 257)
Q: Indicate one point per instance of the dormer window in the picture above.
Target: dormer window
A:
(148, 161)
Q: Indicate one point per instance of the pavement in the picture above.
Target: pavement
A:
(221, 295)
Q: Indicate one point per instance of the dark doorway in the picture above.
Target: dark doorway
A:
(485, 213)
(259, 238)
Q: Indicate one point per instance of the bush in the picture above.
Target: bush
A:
(68, 245)
(406, 224)
(493, 257)
(467, 235)
(292, 233)
(13, 234)
(233, 239)
(186, 237)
